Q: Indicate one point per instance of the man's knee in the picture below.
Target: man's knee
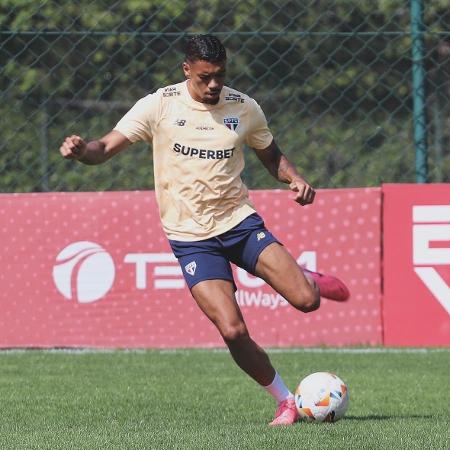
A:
(311, 303)
(308, 300)
(233, 333)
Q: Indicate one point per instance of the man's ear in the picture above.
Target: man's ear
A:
(187, 69)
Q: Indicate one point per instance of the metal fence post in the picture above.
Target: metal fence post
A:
(418, 81)
(44, 125)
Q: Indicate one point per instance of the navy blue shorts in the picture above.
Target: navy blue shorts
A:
(209, 259)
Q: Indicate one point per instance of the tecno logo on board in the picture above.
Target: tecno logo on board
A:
(85, 272)
(431, 248)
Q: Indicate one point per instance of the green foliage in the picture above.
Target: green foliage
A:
(333, 77)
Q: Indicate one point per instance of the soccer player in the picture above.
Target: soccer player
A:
(198, 129)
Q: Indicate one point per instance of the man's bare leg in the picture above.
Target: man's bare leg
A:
(280, 270)
(216, 299)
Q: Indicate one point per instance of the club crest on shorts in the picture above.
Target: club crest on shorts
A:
(231, 122)
(190, 268)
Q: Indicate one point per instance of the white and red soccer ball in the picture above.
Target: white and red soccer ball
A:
(321, 397)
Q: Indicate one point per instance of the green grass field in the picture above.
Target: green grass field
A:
(198, 399)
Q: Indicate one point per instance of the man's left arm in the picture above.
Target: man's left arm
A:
(283, 170)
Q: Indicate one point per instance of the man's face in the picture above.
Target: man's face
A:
(206, 80)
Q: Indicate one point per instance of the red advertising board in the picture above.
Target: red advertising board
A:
(95, 270)
(416, 264)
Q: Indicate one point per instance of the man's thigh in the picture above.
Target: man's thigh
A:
(278, 268)
(217, 301)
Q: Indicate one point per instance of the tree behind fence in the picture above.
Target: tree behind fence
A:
(333, 77)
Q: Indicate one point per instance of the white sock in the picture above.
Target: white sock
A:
(278, 390)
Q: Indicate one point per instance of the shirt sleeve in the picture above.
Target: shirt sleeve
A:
(259, 136)
(139, 123)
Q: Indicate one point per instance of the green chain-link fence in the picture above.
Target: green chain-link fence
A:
(334, 78)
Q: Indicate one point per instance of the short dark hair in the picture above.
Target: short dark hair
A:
(205, 47)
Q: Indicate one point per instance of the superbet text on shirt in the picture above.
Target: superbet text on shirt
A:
(198, 157)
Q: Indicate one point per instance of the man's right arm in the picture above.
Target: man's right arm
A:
(94, 152)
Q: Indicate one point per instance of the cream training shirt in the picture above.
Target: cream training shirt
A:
(198, 157)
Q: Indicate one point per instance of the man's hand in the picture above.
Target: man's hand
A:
(73, 147)
(304, 192)
(283, 170)
(94, 152)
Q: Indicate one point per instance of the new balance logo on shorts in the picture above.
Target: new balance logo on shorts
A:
(260, 235)
(190, 268)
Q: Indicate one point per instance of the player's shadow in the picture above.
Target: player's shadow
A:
(382, 417)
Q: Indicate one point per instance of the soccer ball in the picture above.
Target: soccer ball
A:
(321, 397)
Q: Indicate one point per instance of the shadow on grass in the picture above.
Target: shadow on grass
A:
(381, 417)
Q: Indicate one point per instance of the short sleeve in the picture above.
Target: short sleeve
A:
(258, 136)
(139, 123)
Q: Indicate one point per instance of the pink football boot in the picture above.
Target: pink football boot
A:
(330, 287)
(286, 413)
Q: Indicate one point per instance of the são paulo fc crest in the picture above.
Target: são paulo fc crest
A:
(231, 122)
(190, 268)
